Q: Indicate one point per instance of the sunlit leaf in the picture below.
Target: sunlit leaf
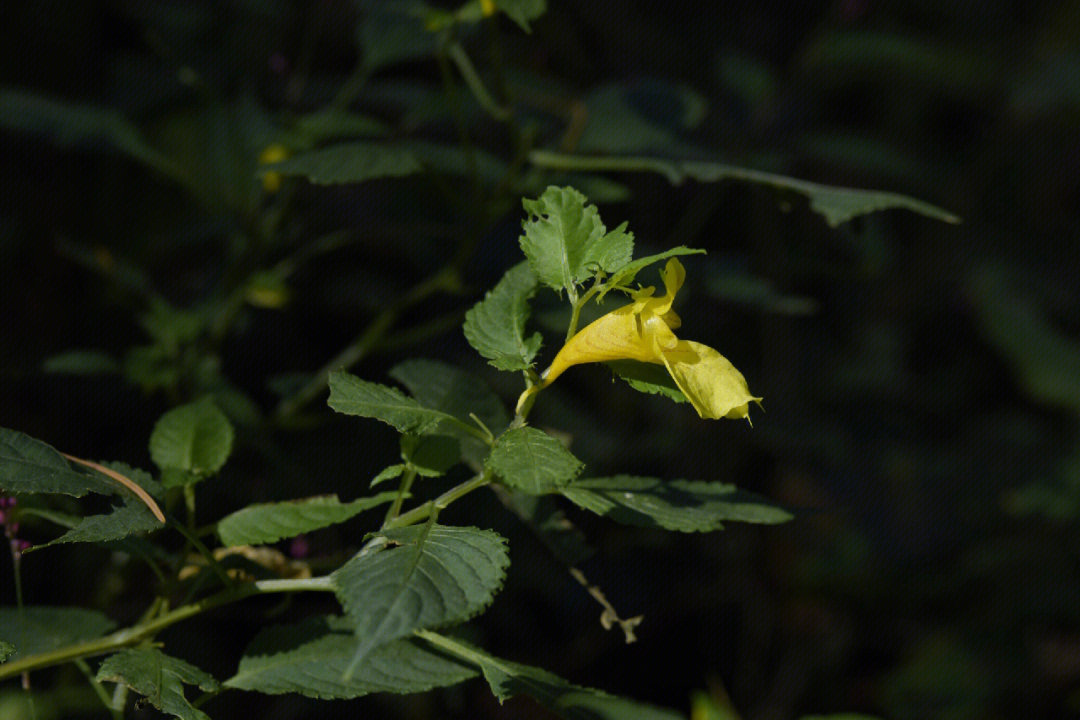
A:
(495, 326)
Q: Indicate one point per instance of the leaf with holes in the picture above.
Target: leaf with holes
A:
(159, 678)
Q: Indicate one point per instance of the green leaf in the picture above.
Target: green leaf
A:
(160, 678)
(311, 657)
(647, 378)
(430, 455)
(495, 326)
(352, 396)
(270, 522)
(433, 576)
(612, 251)
(681, 505)
(532, 461)
(625, 275)
(448, 389)
(387, 473)
(836, 204)
(194, 439)
(30, 466)
(70, 124)
(522, 12)
(131, 517)
(6, 650)
(351, 162)
(81, 362)
(508, 679)
(37, 629)
(564, 239)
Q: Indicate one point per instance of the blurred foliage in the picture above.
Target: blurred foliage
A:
(159, 244)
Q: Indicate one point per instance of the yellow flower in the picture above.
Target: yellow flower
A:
(643, 331)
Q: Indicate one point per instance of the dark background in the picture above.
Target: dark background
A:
(921, 380)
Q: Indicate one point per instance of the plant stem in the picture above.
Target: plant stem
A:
(403, 489)
(423, 512)
(99, 690)
(146, 630)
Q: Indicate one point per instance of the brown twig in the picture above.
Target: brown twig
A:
(126, 482)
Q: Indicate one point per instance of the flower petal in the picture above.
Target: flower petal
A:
(709, 381)
(673, 274)
(615, 336)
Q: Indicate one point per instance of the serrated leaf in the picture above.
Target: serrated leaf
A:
(38, 629)
(495, 326)
(430, 455)
(508, 679)
(311, 657)
(625, 274)
(81, 362)
(352, 396)
(682, 505)
(194, 439)
(30, 466)
(269, 522)
(562, 236)
(448, 389)
(647, 378)
(530, 460)
(6, 650)
(351, 162)
(130, 517)
(433, 576)
(522, 12)
(610, 252)
(159, 678)
(836, 204)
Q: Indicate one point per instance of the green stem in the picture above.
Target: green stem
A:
(472, 79)
(146, 630)
(407, 479)
(423, 512)
(99, 689)
(575, 312)
(201, 548)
